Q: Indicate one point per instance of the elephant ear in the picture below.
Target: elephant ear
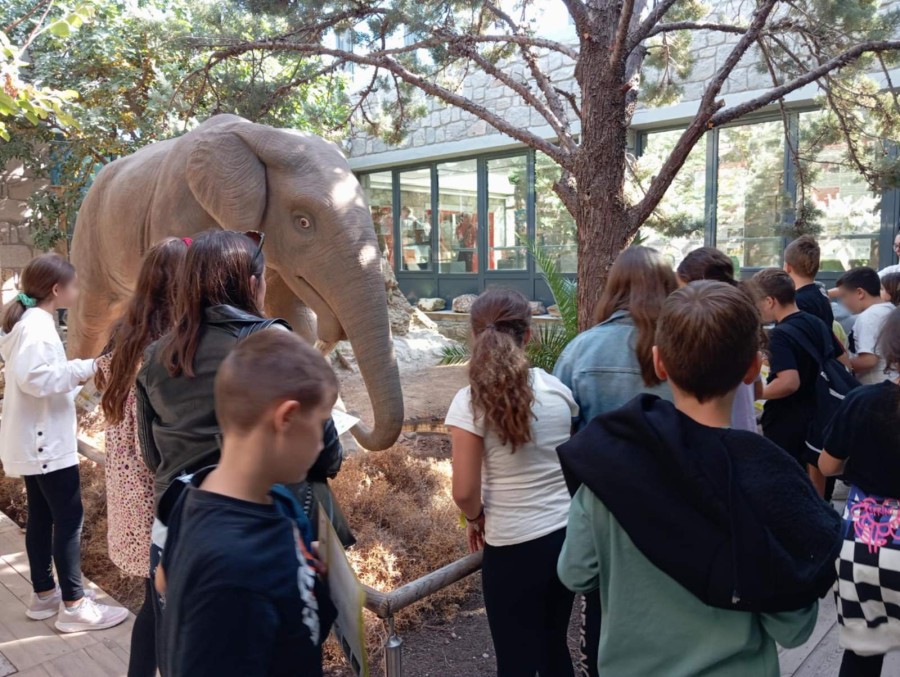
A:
(227, 178)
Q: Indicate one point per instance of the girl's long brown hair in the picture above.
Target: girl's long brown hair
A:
(639, 282)
(37, 281)
(499, 371)
(216, 272)
(149, 315)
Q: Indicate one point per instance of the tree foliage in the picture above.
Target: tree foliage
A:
(130, 66)
(21, 100)
(625, 52)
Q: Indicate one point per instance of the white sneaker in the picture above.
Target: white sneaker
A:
(89, 615)
(41, 609)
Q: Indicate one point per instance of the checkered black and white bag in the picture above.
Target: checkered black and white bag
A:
(867, 591)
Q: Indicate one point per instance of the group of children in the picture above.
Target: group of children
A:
(218, 449)
(698, 542)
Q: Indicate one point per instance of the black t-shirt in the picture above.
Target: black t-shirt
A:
(811, 299)
(866, 431)
(242, 599)
(785, 355)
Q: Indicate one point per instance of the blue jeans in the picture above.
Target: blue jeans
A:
(53, 531)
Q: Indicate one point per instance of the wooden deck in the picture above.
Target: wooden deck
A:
(35, 648)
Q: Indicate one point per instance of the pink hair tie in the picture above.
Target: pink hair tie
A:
(188, 241)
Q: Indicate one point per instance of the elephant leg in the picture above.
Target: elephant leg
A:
(89, 323)
(282, 302)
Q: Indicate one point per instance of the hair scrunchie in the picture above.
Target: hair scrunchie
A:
(26, 300)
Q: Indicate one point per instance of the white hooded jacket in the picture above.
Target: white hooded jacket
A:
(38, 428)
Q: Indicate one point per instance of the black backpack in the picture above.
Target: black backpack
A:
(833, 383)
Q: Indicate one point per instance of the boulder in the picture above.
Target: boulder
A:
(431, 305)
(554, 311)
(463, 304)
(537, 308)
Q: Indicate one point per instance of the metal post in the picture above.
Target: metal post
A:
(393, 652)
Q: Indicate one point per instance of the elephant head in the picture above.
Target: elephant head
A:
(299, 190)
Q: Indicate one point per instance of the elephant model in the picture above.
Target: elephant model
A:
(321, 249)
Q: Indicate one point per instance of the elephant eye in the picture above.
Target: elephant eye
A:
(302, 222)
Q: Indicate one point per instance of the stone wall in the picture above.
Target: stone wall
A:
(16, 248)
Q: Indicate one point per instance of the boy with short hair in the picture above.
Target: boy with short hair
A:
(679, 522)
(242, 592)
(790, 393)
(801, 262)
(860, 292)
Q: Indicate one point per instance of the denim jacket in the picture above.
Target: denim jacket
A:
(602, 370)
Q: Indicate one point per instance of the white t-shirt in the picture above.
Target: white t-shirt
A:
(866, 333)
(889, 269)
(524, 493)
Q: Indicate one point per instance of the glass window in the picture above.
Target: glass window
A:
(458, 216)
(415, 220)
(555, 228)
(676, 226)
(507, 213)
(377, 188)
(843, 207)
(751, 194)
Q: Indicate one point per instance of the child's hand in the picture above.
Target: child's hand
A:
(475, 533)
(160, 580)
(320, 566)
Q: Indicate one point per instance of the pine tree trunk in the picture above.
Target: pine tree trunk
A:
(601, 217)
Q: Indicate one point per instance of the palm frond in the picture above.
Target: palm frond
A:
(546, 346)
(455, 354)
(564, 290)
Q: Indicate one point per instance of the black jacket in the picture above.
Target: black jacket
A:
(726, 513)
(177, 424)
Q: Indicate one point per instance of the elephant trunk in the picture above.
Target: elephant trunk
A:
(363, 316)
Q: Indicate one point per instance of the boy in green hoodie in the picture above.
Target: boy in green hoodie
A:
(706, 545)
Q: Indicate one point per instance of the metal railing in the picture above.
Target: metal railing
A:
(386, 604)
(382, 604)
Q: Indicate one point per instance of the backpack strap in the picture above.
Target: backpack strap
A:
(802, 340)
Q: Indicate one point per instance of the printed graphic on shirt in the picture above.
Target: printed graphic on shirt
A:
(306, 582)
(875, 521)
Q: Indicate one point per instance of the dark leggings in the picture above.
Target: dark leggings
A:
(528, 608)
(855, 665)
(142, 660)
(590, 627)
(53, 531)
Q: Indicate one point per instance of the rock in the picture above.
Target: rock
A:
(463, 304)
(431, 305)
(554, 311)
(537, 308)
(398, 312)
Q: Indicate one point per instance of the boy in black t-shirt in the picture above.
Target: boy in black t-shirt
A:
(801, 262)
(243, 595)
(790, 391)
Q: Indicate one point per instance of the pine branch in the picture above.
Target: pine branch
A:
(694, 26)
(618, 46)
(560, 155)
(641, 211)
(648, 24)
(839, 61)
(550, 93)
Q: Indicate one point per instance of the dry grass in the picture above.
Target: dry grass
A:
(399, 506)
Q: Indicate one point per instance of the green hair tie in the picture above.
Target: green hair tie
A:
(26, 300)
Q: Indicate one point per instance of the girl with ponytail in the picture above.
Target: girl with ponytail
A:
(507, 481)
(38, 442)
